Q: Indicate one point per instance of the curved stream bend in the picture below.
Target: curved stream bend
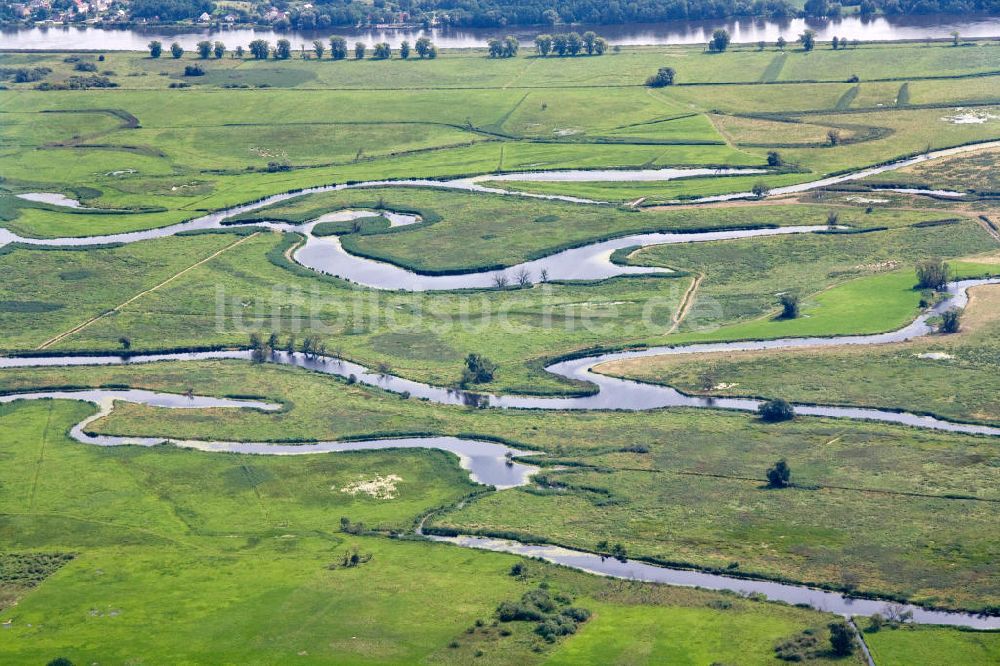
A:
(591, 262)
(486, 461)
(613, 393)
(487, 464)
(831, 602)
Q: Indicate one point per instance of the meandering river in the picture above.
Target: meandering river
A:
(487, 461)
(589, 262)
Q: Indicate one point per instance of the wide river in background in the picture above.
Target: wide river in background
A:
(628, 34)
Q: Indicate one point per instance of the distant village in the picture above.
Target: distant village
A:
(221, 15)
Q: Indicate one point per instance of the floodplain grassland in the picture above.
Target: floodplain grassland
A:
(909, 645)
(676, 485)
(211, 146)
(975, 173)
(951, 376)
(848, 282)
(192, 557)
(427, 336)
(241, 558)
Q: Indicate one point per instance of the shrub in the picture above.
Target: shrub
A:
(776, 410)
(789, 305)
(932, 274)
(841, 639)
(478, 370)
(950, 320)
(779, 475)
(875, 623)
(663, 77)
(774, 159)
(194, 70)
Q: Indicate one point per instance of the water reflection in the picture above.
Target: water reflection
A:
(743, 30)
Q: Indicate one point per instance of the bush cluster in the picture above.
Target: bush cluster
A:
(555, 617)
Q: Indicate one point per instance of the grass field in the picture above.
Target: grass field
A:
(637, 476)
(238, 557)
(150, 555)
(427, 336)
(930, 644)
(459, 115)
(949, 376)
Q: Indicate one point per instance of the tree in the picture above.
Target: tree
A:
(776, 410)
(841, 638)
(500, 281)
(897, 613)
(835, 43)
(204, 49)
(382, 51)
(774, 158)
(155, 49)
(219, 49)
(238, 52)
(176, 50)
(543, 44)
(494, 47)
(259, 349)
(663, 77)
(589, 39)
(319, 48)
(423, 47)
(760, 189)
(600, 46)
(478, 370)
(523, 278)
(832, 218)
(954, 37)
(404, 50)
(808, 40)
(781, 43)
(720, 41)
(260, 49)
(574, 43)
(816, 7)
(559, 45)
(932, 274)
(789, 305)
(338, 48)
(283, 50)
(779, 475)
(951, 320)
(359, 50)
(867, 8)
(510, 46)
(125, 342)
(833, 136)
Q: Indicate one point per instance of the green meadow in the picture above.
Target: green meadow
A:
(150, 555)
